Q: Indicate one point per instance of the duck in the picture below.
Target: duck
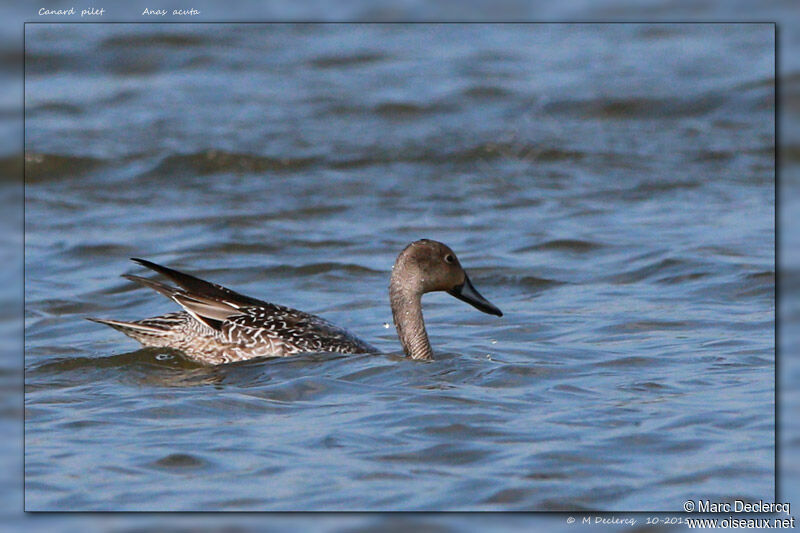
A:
(218, 325)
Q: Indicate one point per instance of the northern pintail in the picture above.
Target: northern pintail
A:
(219, 325)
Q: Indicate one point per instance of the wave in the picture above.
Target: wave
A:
(218, 161)
(41, 167)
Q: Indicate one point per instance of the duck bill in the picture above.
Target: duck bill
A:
(467, 293)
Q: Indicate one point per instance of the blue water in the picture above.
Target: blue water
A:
(609, 187)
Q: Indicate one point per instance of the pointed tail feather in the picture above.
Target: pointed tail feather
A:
(148, 335)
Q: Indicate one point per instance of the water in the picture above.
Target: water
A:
(609, 187)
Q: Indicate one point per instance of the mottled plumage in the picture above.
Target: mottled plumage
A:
(219, 325)
(222, 326)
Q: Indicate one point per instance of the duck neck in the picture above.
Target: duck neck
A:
(407, 312)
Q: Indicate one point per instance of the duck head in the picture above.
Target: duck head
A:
(429, 266)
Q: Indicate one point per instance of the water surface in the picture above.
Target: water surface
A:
(609, 187)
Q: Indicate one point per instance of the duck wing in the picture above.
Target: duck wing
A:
(198, 287)
(250, 321)
(207, 302)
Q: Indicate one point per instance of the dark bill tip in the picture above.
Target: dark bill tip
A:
(467, 293)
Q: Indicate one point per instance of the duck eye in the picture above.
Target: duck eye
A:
(449, 258)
